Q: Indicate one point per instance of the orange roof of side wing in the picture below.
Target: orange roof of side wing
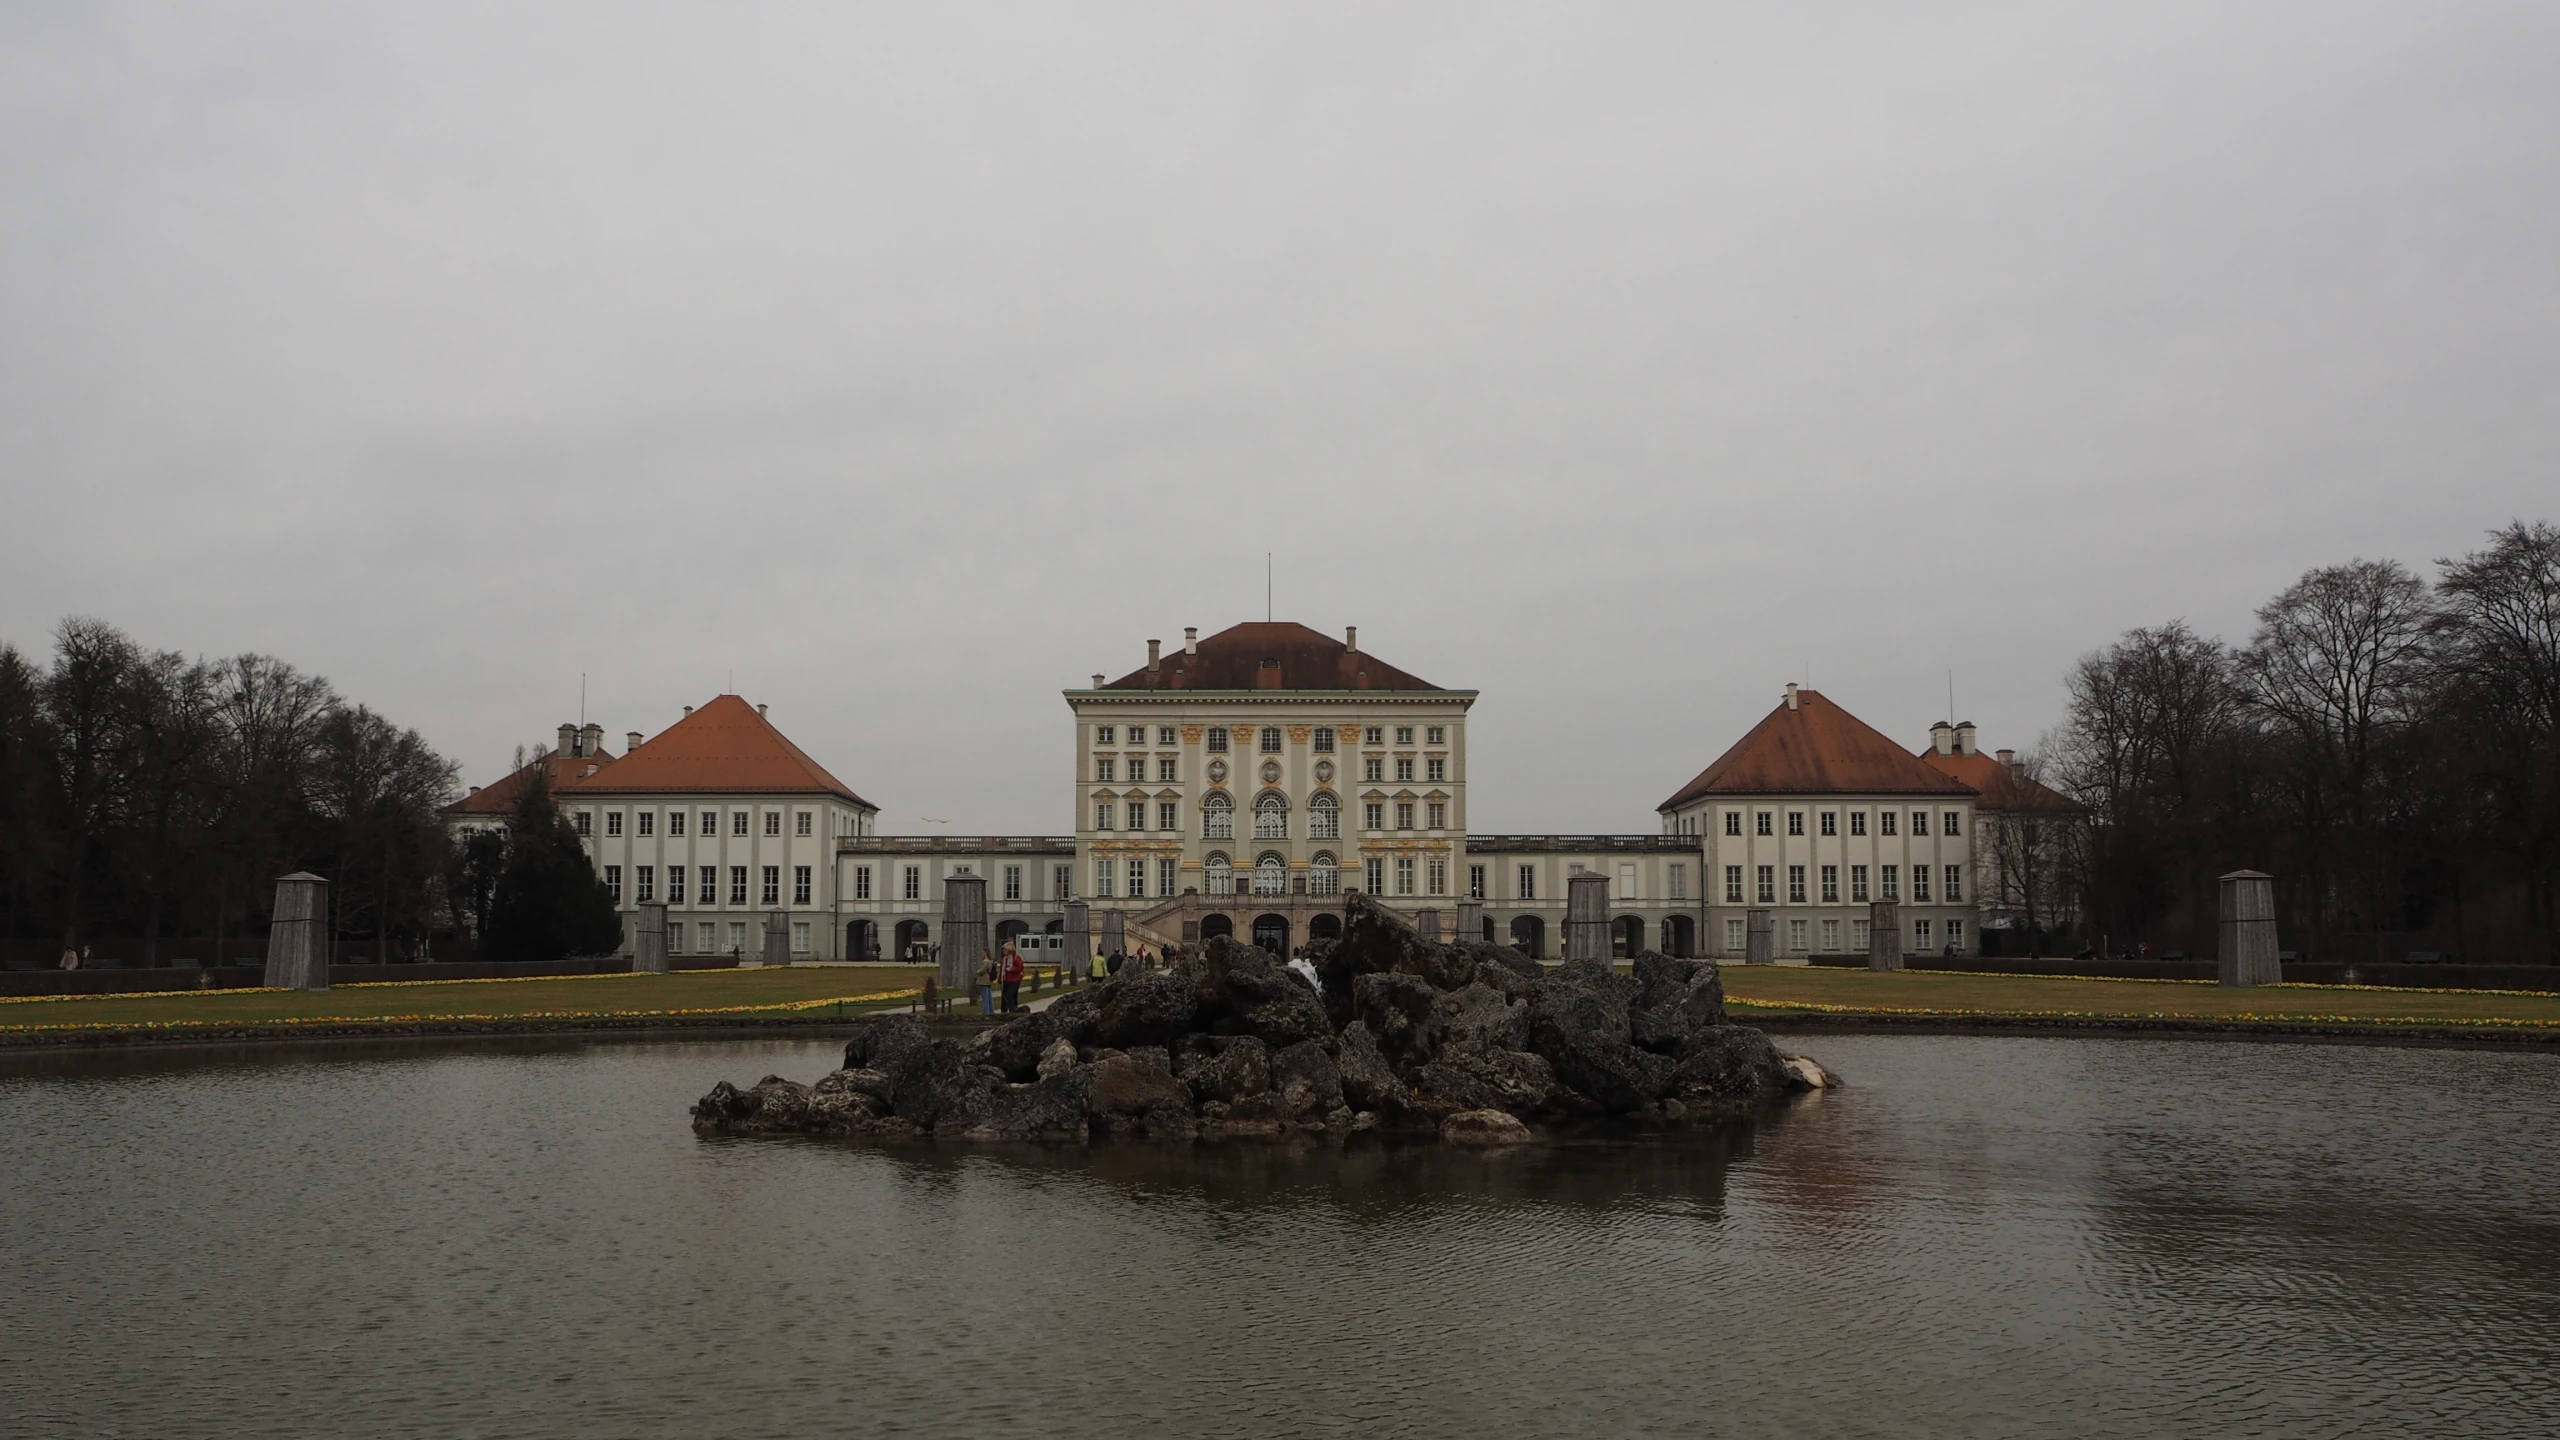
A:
(724, 747)
(1814, 747)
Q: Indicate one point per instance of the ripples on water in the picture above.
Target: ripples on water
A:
(1981, 1237)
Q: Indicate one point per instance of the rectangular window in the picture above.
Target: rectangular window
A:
(1733, 884)
(1436, 735)
(737, 884)
(1137, 877)
(1830, 822)
(1858, 884)
(1830, 884)
(710, 825)
(1167, 771)
(1795, 822)
(1062, 882)
(586, 822)
(675, 937)
(1919, 823)
(1528, 877)
(1373, 875)
(1735, 941)
(644, 883)
(800, 937)
(1106, 767)
(709, 931)
(613, 882)
(1439, 873)
(1920, 883)
(1436, 768)
(1767, 888)
(1106, 735)
(1475, 885)
(1013, 882)
(1404, 874)
(1270, 739)
(861, 882)
(1890, 877)
(1955, 936)
(1795, 937)
(675, 884)
(1795, 884)
(799, 884)
(1761, 822)
(1374, 769)
(738, 937)
(1920, 934)
(738, 824)
(1885, 822)
(1373, 735)
(1948, 826)
(1733, 822)
(1105, 877)
(1858, 935)
(1404, 814)
(1404, 768)
(706, 888)
(1168, 870)
(1324, 739)
(801, 822)
(613, 822)
(1217, 739)
(1955, 882)
(675, 824)
(1676, 877)
(1168, 815)
(772, 888)
(910, 883)
(1404, 734)
(1103, 814)
(1831, 937)
(647, 822)
(1374, 815)
(1439, 816)
(773, 823)
(1857, 822)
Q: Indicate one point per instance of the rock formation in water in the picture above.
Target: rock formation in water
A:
(1469, 1041)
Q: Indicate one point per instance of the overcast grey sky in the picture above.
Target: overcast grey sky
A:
(914, 362)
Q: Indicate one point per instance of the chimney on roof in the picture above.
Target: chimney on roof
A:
(1942, 738)
(759, 709)
(1964, 739)
(1791, 695)
(2006, 757)
(1268, 677)
(630, 741)
(568, 741)
(688, 709)
(1351, 637)
(1190, 639)
(1155, 656)
(1097, 679)
(591, 741)
(474, 790)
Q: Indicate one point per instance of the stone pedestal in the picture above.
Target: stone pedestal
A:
(649, 948)
(1586, 917)
(777, 939)
(1760, 930)
(1115, 932)
(1080, 937)
(1471, 920)
(2248, 954)
(964, 932)
(1426, 923)
(298, 939)
(1191, 930)
(1884, 935)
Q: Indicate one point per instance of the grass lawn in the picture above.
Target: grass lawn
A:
(1775, 991)
(693, 996)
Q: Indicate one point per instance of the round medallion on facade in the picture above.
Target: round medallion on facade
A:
(1324, 771)
(1270, 772)
(1217, 770)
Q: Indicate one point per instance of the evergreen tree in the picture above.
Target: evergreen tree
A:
(549, 903)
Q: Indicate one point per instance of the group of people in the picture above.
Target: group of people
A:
(1000, 974)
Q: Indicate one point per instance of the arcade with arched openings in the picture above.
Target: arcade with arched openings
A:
(1626, 936)
(1271, 932)
(911, 938)
(861, 940)
(1324, 926)
(1679, 937)
(1529, 936)
(1212, 926)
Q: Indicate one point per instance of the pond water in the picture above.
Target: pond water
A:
(1979, 1237)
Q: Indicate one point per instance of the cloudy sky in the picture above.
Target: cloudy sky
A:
(909, 364)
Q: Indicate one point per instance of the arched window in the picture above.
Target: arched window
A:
(1270, 817)
(1218, 816)
(1324, 875)
(1324, 818)
(1221, 874)
(1270, 874)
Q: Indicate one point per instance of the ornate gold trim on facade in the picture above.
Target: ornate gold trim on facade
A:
(1191, 733)
(1298, 734)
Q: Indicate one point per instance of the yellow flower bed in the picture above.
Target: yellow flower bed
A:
(875, 997)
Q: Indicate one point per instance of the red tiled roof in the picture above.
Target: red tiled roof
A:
(1300, 659)
(1816, 748)
(501, 797)
(2000, 787)
(724, 747)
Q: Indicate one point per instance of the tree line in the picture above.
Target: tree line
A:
(2388, 748)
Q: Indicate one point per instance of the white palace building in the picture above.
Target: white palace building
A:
(1242, 784)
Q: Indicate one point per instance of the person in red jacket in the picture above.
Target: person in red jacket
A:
(1012, 977)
